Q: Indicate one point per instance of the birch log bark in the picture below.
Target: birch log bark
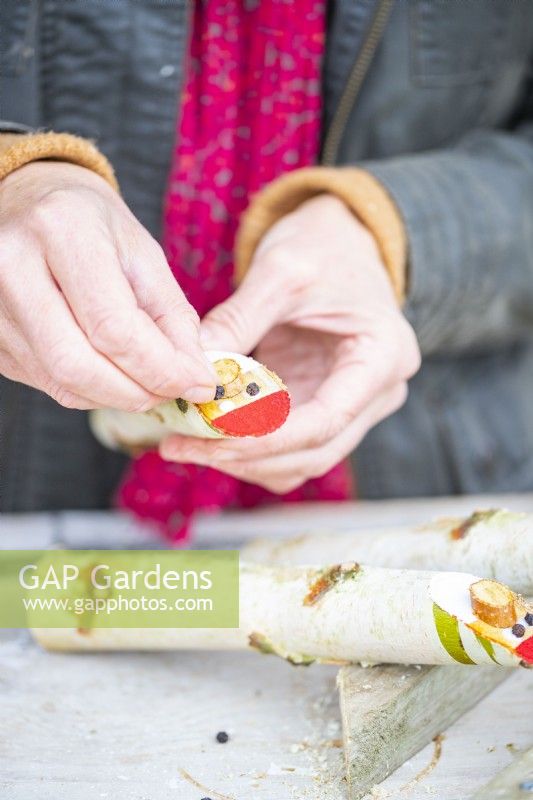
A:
(494, 543)
(345, 613)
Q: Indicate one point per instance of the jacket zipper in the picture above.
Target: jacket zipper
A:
(355, 82)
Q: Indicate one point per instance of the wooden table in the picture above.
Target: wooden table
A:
(142, 726)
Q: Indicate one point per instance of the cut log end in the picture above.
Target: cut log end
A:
(495, 604)
(264, 415)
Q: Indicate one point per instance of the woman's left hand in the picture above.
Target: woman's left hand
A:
(318, 306)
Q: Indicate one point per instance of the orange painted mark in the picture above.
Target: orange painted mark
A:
(258, 418)
(478, 516)
(328, 579)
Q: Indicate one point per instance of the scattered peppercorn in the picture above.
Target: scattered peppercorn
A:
(206, 798)
(222, 737)
(220, 392)
(529, 618)
(253, 389)
(182, 405)
(518, 630)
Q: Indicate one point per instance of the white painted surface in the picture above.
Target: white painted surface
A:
(122, 726)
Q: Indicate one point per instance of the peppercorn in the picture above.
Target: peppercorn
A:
(206, 798)
(518, 630)
(220, 392)
(253, 389)
(222, 737)
(529, 618)
(182, 405)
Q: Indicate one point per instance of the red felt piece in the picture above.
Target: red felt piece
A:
(525, 650)
(264, 415)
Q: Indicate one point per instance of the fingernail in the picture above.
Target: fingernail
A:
(200, 394)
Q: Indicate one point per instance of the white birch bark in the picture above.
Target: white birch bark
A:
(494, 543)
(339, 614)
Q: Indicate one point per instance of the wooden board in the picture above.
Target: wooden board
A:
(515, 782)
(121, 726)
(389, 713)
(142, 726)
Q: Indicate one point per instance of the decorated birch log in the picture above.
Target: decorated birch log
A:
(344, 614)
(495, 543)
(250, 400)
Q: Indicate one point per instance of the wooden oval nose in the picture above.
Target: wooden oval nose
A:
(262, 416)
(229, 376)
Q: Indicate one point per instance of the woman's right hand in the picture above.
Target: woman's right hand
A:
(89, 310)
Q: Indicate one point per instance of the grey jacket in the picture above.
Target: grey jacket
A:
(435, 98)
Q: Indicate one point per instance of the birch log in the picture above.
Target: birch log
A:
(342, 614)
(250, 401)
(494, 543)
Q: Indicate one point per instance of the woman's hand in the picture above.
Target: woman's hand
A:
(89, 310)
(318, 302)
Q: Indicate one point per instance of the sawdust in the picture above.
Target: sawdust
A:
(324, 751)
(211, 792)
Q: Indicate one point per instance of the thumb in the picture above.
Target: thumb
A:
(240, 323)
(159, 295)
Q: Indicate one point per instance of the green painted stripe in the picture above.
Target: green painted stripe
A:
(448, 631)
(487, 647)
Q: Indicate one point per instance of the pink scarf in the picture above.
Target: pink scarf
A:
(251, 110)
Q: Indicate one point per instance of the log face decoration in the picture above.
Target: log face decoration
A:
(342, 614)
(469, 628)
(250, 400)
